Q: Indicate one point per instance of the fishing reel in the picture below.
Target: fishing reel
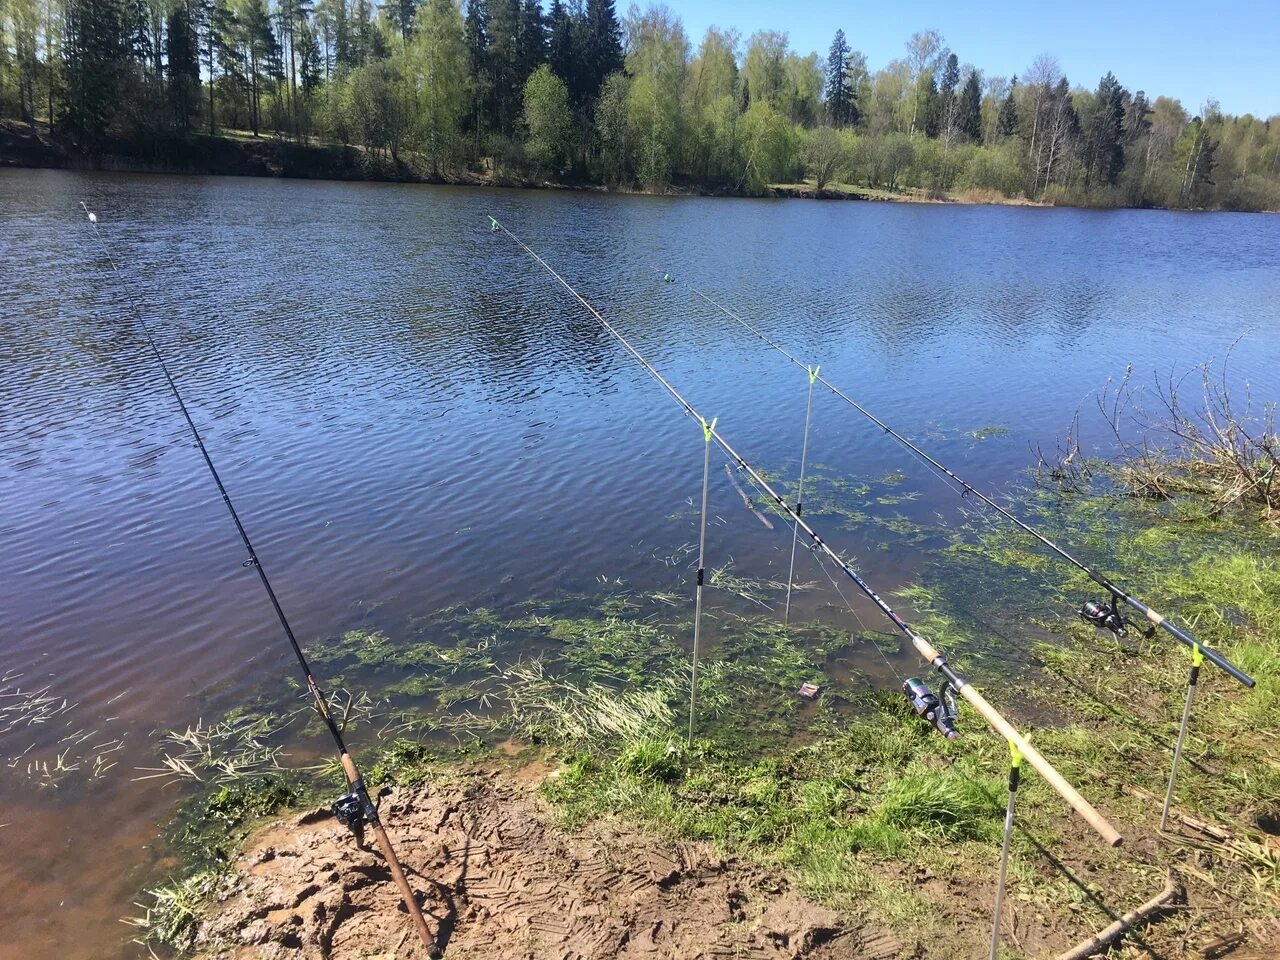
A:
(354, 809)
(939, 711)
(1108, 617)
(349, 809)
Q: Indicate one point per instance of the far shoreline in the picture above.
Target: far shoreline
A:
(22, 147)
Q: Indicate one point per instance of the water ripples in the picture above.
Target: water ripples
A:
(410, 414)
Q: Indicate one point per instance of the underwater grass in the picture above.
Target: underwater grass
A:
(847, 794)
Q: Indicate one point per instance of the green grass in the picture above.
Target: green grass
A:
(851, 796)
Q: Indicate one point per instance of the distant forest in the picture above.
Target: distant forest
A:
(575, 93)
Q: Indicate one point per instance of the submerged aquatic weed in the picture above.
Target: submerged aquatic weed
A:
(39, 714)
(231, 749)
(171, 918)
(542, 706)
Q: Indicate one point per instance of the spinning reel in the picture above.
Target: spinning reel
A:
(940, 712)
(1108, 617)
(354, 809)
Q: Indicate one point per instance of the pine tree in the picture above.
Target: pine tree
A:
(475, 33)
(96, 52)
(1137, 118)
(971, 108)
(931, 105)
(403, 12)
(950, 76)
(182, 67)
(839, 96)
(261, 55)
(504, 65)
(532, 41)
(601, 49)
(1104, 157)
(1007, 121)
(561, 50)
(310, 68)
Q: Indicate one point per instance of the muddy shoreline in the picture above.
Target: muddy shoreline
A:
(498, 879)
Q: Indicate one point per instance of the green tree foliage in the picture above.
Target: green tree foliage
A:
(600, 49)
(839, 97)
(1196, 155)
(506, 84)
(970, 108)
(657, 62)
(97, 49)
(442, 84)
(613, 141)
(562, 38)
(183, 67)
(712, 112)
(1103, 149)
(1007, 123)
(547, 119)
(479, 70)
(436, 61)
(826, 153)
(769, 147)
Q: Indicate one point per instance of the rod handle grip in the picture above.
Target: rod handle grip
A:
(1033, 756)
(1042, 766)
(406, 892)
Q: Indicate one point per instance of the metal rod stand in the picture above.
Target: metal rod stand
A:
(1015, 771)
(795, 527)
(1197, 658)
(707, 433)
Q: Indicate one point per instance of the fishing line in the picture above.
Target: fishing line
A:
(922, 646)
(355, 808)
(861, 624)
(1106, 616)
(804, 454)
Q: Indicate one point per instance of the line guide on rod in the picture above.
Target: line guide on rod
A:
(1105, 616)
(923, 647)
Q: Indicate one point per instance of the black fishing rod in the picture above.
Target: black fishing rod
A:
(921, 645)
(1102, 615)
(355, 808)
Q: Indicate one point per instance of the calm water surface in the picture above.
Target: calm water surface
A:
(410, 414)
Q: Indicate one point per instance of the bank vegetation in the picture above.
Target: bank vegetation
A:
(507, 90)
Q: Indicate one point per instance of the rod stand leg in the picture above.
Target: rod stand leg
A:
(1192, 678)
(795, 526)
(707, 429)
(1015, 770)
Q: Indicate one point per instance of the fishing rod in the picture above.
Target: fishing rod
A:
(922, 646)
(1104, 615)
(355, 808)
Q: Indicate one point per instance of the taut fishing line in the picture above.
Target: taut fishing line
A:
(921, 645)
(354, 809)
(1104, 615)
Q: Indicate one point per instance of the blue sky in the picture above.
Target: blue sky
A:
(1190, 50)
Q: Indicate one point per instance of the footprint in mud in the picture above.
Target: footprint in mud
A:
(501, 882)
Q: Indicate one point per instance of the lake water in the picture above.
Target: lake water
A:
(411, 414)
